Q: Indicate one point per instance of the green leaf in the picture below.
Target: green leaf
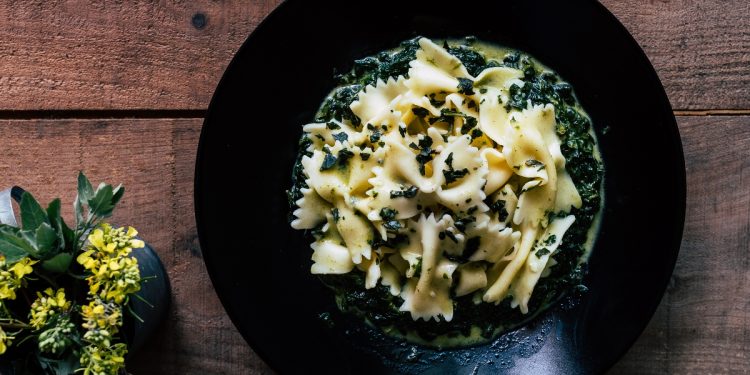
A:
(46, 241)
(59, 263)
(118, 192)
(85, 190)
(12, 245)
(32, 214)
(55, 220)
(101, 205)
(77, 207)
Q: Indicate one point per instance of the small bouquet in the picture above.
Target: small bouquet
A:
(65, 292)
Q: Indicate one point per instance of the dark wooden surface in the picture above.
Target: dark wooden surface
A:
(118, 89)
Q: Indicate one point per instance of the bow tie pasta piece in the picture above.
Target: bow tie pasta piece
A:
(429, 297)
(472, 277)
(523, 286)
(498, 170)
(354, 230)
(495, 244)
(460, 174)
(493, 85)
(438, 57)
(375, 100)
(330, 258)
(311, 210)
(323, 175)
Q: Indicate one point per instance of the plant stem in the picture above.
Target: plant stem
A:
(47, 279)
(15, 325)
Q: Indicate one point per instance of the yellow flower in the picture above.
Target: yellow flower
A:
(5, 341)
(7, 291)
(47, 305)
(23, 267)
(86, 260)
(12, 278)
(96, 238)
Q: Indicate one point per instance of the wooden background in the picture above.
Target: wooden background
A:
(119, 90)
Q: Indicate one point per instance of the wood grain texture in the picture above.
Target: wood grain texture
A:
(703, 324)
(148, 55)
(154, 159)
(700, 49)
(119, 55)
(135, 55)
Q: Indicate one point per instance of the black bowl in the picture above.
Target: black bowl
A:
(260, 266)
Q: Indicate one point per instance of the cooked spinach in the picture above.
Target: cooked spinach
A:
(540, 87)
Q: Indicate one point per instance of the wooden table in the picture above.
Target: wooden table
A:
(119, 90)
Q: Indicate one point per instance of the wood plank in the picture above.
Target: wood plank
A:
(706, 329)
(119, 55)
(128, 55)
(154, 159)
(701, 327)
(699, 48)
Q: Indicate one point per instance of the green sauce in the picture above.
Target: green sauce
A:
(474, 321)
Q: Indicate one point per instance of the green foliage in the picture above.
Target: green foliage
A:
(45, 236)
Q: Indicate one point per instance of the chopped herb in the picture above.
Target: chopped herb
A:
(472, 209)
(449, 160)
(471, 59)
(550, 240)
(425, 152)
(320, 137)
(453, 175)
(337, 106)
(328, 161)
(535, 163)
(332, 125)
(442, 235)
(436, 102)
(469, 124)
(364, 155)
(341, 137)
(476, 133)
(402, 130)
(541, 252)
(414, 146)
(463, 222)
(483, 90)
(445, 276)
(370, 127)
(375, 136)
(465, 86)
(392, 224)
(499, 207)
(387, 213)
(344, 156)
(408, 193)
(335, 213)
(472, 245)
(420, 112)
(417, 267)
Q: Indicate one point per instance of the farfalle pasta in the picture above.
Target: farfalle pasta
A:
(442, 188)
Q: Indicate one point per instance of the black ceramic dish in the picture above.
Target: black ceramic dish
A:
(260, 266)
